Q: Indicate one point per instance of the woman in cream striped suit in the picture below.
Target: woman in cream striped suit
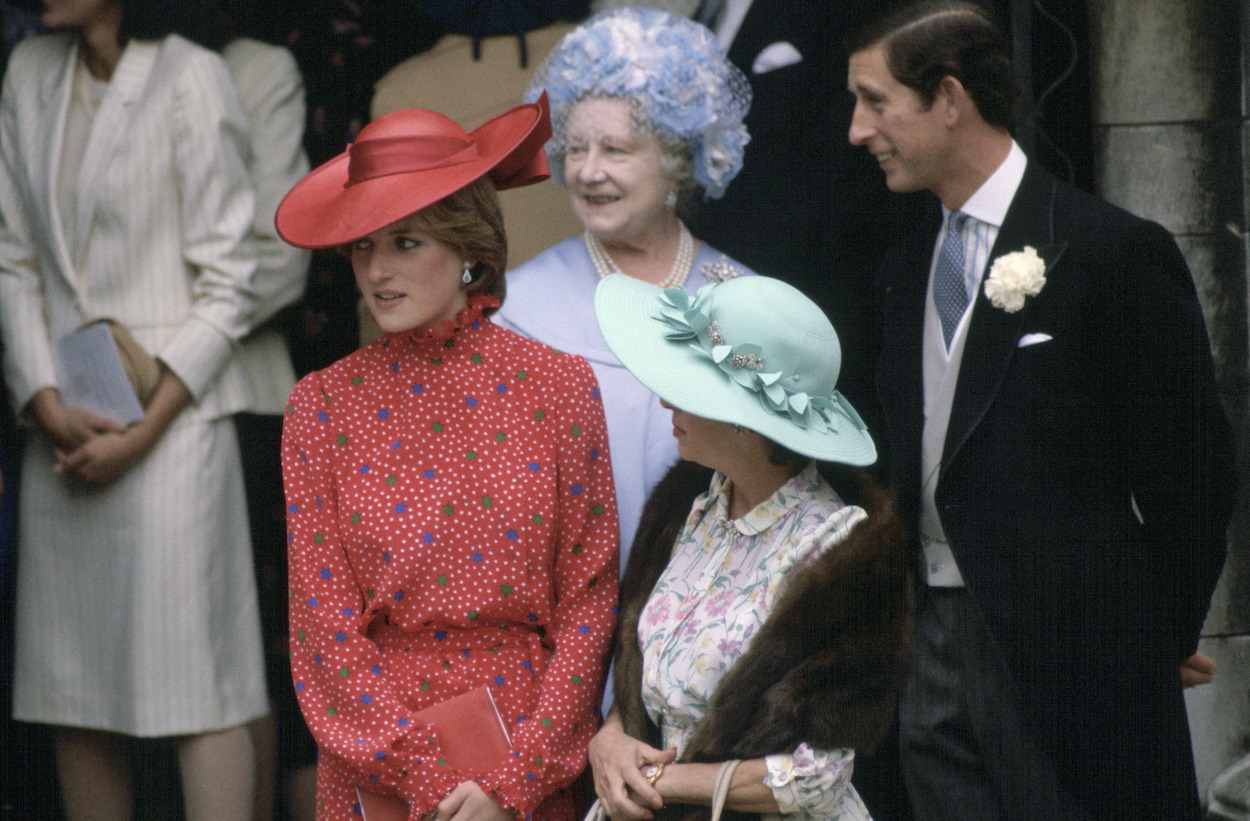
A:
(124, 194)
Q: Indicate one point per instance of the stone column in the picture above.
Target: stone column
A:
(1168, 125)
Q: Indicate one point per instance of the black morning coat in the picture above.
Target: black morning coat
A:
(1050, 448)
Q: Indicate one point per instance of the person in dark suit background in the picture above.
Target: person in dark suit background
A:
(807, 208)
(1056, 444)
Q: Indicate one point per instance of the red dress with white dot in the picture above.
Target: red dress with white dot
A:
(452, 524)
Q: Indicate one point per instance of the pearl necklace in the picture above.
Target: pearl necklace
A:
(676, 277)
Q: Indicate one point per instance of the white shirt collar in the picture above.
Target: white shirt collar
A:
(990, 202)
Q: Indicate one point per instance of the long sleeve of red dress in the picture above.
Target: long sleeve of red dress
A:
(452, 524)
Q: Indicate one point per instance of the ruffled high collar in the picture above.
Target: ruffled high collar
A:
(468, 317)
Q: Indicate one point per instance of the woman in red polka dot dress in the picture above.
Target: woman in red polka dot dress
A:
(450, 504)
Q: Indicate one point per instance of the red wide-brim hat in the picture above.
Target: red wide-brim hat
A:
(406, 160)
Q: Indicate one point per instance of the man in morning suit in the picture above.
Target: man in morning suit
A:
(1056, 443)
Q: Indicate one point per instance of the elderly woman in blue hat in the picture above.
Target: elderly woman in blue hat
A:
(647, 121)
(765, 607)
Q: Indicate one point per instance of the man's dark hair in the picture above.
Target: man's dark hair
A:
(932, 39)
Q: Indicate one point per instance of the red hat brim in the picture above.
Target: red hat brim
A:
(324, 211)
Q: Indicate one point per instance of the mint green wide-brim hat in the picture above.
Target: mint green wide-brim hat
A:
(751, 351)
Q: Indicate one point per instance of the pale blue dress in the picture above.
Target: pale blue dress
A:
(551, 298)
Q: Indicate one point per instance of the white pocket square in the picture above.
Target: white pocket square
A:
(778, 55)
(1033, 339)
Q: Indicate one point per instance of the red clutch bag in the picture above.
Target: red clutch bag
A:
(474, 739)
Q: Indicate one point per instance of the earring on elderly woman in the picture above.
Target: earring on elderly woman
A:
(467, 276)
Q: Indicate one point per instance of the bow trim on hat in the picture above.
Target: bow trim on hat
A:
(383, 156)
(528, 162)
(689, 320)
(531, 169)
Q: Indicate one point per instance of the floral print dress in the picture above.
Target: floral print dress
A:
(452, 524)
(722, 583)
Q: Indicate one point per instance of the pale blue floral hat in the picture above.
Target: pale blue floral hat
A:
(670, 68)
(751, 351)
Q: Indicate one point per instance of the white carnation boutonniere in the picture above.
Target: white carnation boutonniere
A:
(1015, 276)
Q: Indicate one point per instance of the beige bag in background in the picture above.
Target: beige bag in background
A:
(141, 367)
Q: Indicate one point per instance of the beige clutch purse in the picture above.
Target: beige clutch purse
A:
(141, 367)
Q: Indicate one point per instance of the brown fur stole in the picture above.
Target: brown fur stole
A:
(826, 665)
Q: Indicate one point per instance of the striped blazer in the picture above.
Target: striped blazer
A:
(162, 214)
(272, 91)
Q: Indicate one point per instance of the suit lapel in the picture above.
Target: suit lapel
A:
(55, 92)
(992, 332)
(108, 129)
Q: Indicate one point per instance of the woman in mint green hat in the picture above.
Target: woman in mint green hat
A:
(765, 607)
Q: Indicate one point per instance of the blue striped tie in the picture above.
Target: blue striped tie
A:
(950, 289)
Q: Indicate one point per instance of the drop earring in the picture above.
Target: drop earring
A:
(467, 276)
(670, 199)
